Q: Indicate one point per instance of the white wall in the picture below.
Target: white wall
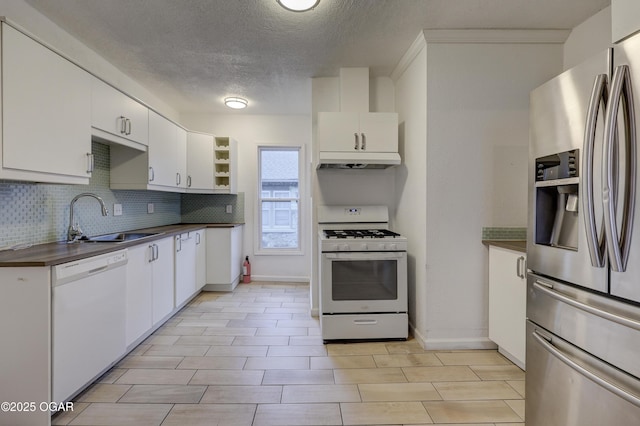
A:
(411, 178)
(251, 131)
(588, 38)
(474, 148)
(27, 18)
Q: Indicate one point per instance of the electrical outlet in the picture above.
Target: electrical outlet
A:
(117, 209)
(150, 208)
(229, 208)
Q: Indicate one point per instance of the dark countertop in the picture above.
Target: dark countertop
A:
(61, 252)
(517, 245)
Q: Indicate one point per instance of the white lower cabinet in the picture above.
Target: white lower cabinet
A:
(185, 260)
(201, 258)
(139, 292)
(224, 258)
(508, 302)
(25, 327)
(163, 279)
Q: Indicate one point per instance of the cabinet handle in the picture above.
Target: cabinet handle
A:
(154, 252)
(520, 267)
(127, 126)
(355, 135)
(152, 174)
(123, 125)
(91, 162)
(189, 181)
(179, 243)
(197, 238)
(363, 145)
(178, 179)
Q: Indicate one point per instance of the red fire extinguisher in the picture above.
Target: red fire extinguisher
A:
(246, 271)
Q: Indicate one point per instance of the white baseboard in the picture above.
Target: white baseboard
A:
(287, 279)
(452, 344)
(461, 343)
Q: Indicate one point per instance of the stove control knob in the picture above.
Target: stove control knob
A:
(344, 247)
(393, 246)
(364, 247)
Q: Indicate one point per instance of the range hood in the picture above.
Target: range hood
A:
(354, 137)
(358, 160)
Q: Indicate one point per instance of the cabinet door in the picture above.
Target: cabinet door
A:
(139, 292)
(337, 131)
(163, 280)
(185, 258)
(201, 259)
(507, 301)
(162, 151)
(218, 255)
(236, 253)
(118, 115)
(200, 161)
(180, 153)
(379, 131)
(46, 112)
(25, 327)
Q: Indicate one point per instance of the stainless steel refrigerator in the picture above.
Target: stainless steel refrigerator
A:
(583, 245)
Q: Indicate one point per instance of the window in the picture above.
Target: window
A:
(279, 189)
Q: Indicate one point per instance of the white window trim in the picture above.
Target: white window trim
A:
(302, 207)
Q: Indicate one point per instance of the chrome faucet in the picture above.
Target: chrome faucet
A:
(74, 232)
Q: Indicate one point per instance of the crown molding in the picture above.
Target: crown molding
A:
(512, 36)
(477, 36)
(416, 47)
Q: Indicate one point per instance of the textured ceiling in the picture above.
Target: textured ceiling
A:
(193, 53)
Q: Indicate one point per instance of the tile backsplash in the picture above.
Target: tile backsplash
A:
(33, 213)
(198, 208)
(505, 233)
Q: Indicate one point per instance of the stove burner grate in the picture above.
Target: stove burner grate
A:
(360, 233)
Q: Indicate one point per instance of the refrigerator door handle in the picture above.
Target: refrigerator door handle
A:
(551, 292)
(549, 347)
(595, 243)
(618, 247)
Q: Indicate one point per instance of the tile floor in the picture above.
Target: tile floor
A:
(255, 357)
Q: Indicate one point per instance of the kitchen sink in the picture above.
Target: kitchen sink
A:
(118, 237)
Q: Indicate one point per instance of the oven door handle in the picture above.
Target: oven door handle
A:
(366, 255)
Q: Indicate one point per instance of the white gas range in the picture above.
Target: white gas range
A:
(363, 274)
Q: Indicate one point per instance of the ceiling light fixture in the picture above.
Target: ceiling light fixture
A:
(298, 5)
(235, 102)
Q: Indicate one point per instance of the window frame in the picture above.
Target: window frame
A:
(258, 248)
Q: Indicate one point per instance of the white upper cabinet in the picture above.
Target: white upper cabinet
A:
(358, 132)
(199, 162)
(115, 117)
(163, 148)
(46, 114)
(163, 167)
(181, 158)
(624, 19)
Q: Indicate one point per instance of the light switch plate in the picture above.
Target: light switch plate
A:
(117, 209)
(150, 208)
(229, 208)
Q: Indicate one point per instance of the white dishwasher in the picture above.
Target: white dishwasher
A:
(88, 320)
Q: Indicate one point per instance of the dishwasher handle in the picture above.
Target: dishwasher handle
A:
(82, 268)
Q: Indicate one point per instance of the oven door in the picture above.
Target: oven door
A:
(364, 282)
